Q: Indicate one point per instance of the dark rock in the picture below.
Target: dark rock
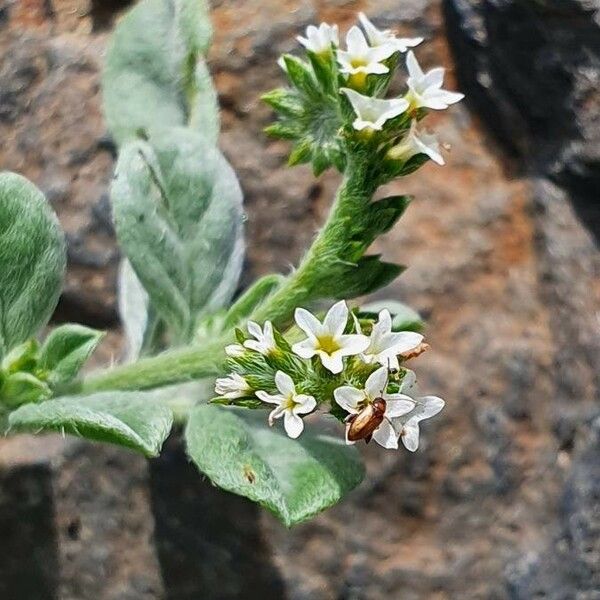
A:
(210, 544)
(29, 559)
(531, 69)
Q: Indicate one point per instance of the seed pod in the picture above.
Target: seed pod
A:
(417, 351)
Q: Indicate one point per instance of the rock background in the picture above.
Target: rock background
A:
(503, 498)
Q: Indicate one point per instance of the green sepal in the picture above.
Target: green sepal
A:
(294, 479)
(284, 101)
(66, 349)
(283, 130)
(23, 357)
(22, 388)
(300, 75)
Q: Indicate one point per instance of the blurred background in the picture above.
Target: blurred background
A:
(502, 500)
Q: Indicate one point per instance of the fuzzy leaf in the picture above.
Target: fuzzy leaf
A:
(178, 215)
(66, 349)
(154, 73)
(32, 260)
(294, 479)
(140, 320)
(124, 418)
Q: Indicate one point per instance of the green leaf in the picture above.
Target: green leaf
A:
(21, 388)
(294, 479)
(32, 260)
(178, 214)
(366, 276)
(125, 418)
(154, 72)
(404, 318)
(66, 349)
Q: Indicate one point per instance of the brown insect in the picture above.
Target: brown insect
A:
(362, 425)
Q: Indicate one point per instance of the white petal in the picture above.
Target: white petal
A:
(352, 344)
(271, 399)
(254, 345)
(293, 424)
(276, 413)
(307, 322)
(359, 124)
(336, 318)
(403, 341)
(434, 78)
(414, 70)
(408, 382)
(349, 398)
(385, 435)
(372, 32)
(374, 68)
(385, 321)
(376, 383)
(268, 333)
(234, 350)
(432, 150)
(410, 436)
(284, 383)
(405, 43)
(305, 349)
(356, 41)
(304, 404)
(398, 405)
(440, 99)
(254, 329)
(332, 362)
(382, 52)
(429, 407)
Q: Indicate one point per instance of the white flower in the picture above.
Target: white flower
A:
(354, 401)
(378, 37)
(425, 407)
(264, 341)
(234, 350)
(289, 404)
(372, 113)
(425, 89)
(385, 344)
(232, 387)
(360, 58)
(319, 40)
(417, 142)
(327, 339)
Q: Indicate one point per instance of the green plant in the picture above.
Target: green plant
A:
(177, 208)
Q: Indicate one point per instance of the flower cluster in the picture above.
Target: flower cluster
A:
(346, 364)
(341, 90)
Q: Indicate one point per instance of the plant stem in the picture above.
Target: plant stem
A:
(196, 362)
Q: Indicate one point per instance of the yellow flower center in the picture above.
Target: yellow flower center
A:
(328, 344)
(357, 81)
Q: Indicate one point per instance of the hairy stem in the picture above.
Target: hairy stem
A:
(196, 362)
